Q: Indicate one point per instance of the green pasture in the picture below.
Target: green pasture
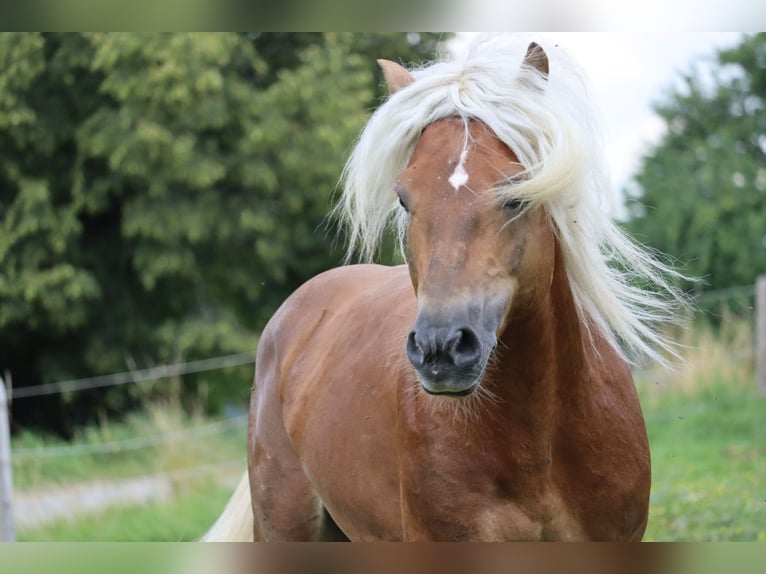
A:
(184, 519)
(161, 438)
(709, 465)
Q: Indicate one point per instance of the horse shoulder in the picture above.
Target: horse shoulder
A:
(605, 447)
(330, 362)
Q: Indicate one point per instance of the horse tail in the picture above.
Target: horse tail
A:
(236, 522)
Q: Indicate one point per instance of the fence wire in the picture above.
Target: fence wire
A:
(143, 375)
(240, 359)
(135, 443)
(234, 360)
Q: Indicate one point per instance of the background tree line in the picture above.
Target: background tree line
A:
(701, 193)
(161, 194)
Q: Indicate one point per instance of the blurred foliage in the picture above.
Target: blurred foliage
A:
(161, 194)
(702, 191)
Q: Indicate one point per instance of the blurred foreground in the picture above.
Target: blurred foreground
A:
(382, 558)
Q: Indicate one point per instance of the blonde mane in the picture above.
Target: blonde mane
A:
(549, 123)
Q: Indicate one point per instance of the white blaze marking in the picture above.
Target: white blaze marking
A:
(460, 175)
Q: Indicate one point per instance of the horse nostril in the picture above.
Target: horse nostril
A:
(441, 351)
(464, 347)
(415, 351)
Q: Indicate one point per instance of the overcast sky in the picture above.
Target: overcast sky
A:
(628, 72)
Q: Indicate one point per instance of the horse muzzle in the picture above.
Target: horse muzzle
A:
(450, 355)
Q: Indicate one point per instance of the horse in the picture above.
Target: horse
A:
(482, 391)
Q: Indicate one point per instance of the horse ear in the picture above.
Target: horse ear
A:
(536, 58)
(396, 76)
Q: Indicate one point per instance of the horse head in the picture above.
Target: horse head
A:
(499, 171)
(476, 258)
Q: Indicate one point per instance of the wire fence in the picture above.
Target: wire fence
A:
(238, 422)
(139, 376)
(134, 443)
(62, 501)
(661, 374)
(235, 360)
(725, 294)
(241, 359)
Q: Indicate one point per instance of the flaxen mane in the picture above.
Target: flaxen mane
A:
(548, 122)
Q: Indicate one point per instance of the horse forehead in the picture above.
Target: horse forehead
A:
(441, 152)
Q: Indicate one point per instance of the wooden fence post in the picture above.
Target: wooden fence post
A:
(760, 331)
(7, 532)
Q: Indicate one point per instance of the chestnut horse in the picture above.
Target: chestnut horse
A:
(482, 390)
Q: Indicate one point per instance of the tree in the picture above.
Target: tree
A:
(161, 194)
(702, 190)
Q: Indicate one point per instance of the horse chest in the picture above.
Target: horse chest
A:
(479, 504)
(453, 488)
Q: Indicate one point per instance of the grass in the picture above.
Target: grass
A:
(708, 441)
(198, 497)
(709, 465)
(207, 446)
(183, 519)
(706, 430)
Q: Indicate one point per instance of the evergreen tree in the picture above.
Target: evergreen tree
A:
(702, 189)
(161, 194)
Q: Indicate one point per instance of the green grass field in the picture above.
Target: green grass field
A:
(706, 429)
(708, 441)
(184, 519)
(207, 446)
(198, 496)
(709, 465)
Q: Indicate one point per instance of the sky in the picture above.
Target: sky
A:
(628, 72)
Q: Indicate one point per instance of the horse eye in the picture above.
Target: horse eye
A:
(513, 205)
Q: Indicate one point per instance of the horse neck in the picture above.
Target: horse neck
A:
(543, 354)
